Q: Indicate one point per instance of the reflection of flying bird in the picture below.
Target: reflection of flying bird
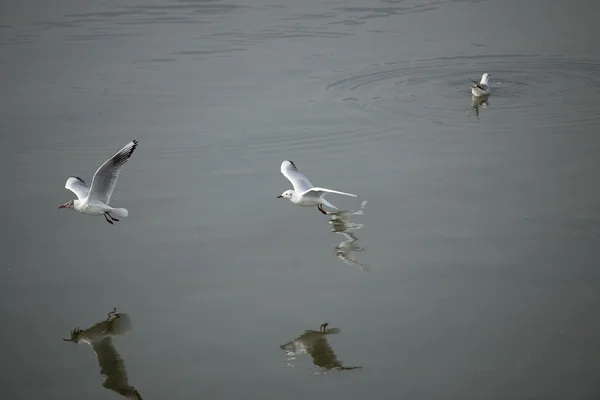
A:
(347, 249)
(316, 345)
(304, 193)
(112, 367)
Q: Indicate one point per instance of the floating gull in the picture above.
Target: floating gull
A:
(483, 87)
(112, 367)
(94, 200)
(304, 193)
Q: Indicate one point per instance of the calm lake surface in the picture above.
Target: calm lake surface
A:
(471, 272)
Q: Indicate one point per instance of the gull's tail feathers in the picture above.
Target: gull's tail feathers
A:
(119, 212)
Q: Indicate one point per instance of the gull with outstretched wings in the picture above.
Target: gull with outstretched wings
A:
(94, 200)
(304, 193)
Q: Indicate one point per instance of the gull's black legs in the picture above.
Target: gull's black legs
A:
(113, 218)
(106, 215)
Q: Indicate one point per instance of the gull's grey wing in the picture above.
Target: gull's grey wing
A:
(298, 180)
(480, 85)
(112, 368)
(322, 191)
(76, 185)
(106, 176)
(476, 84)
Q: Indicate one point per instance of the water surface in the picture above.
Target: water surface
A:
(471, 272)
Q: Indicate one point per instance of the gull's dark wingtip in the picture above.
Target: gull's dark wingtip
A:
(132, 149)
(125, 153)
(290, 164)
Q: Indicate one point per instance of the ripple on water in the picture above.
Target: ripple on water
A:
(307, 140)
(546, 90)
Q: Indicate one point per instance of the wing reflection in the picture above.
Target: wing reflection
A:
(340, 223)
(476, 102)
(316, 345)
(112, 367)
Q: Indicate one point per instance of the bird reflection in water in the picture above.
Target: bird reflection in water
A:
(479, 101)
(112, 367)
(316, 345)
(340, 223)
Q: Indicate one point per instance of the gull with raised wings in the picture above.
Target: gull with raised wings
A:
(304, 193)
(94, 200)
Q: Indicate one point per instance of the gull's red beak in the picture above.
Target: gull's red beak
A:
(63, 206)
(280, 196)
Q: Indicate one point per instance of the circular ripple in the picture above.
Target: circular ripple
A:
(545, 90)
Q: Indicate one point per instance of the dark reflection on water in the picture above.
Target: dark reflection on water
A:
(479, 101)
(315, 344)
(159, 9)
(112, 366)
(340, 223)
(357, 15)
(119, 20)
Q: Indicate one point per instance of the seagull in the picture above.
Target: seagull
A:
(94, 200)
(315, 344)
(482, 88)
(304, 193)
(112, 367)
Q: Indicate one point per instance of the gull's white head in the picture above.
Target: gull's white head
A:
(68, 204)
(485, 78)
(288, 194)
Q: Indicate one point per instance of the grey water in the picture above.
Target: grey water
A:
(469, 268)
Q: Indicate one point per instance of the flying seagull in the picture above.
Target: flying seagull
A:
(94, 200)
(304, 193)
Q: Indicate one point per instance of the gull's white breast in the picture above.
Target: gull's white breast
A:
(92, 209)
